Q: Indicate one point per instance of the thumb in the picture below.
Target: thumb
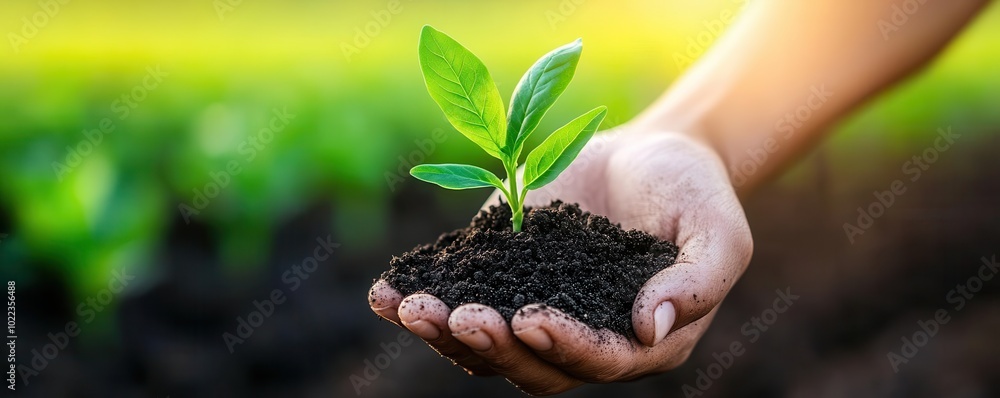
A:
(685, 196)
(715, 248)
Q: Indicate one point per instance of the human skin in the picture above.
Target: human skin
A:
(674, 171)
(685, 197)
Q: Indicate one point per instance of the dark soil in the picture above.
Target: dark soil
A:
(575, 261)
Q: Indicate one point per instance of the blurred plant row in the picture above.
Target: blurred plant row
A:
(352, 123)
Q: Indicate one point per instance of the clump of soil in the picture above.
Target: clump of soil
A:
(572, 260)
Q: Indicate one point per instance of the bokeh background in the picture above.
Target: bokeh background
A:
(347, 74)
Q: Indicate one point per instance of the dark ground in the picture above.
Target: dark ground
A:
(858, 301)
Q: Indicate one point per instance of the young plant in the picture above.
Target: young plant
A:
(463, 88)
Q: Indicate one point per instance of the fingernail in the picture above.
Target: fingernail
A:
(424, 329)
(476, 339)
(663, 319)
(536, 338)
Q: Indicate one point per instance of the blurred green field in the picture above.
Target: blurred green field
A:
(355, 113)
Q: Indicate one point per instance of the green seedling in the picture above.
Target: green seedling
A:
(460, 84)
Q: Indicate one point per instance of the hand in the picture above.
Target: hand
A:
(668, 184)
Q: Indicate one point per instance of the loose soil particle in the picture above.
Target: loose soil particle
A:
(572, 260)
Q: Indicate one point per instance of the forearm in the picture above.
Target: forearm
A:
(788, 69)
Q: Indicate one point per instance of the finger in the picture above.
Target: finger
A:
(601, 356)
(715, 248)
(427, 317)
(675, 348)
(484, 330)
(384, 301)
(596, 356)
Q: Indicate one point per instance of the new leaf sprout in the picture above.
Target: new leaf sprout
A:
(462, 87)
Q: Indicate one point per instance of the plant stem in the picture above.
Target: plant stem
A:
(514, 199)
(517, 218)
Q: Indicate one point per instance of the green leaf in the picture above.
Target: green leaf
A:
(537, 92)
(554, 154)
(456, 176)
(463, 88)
